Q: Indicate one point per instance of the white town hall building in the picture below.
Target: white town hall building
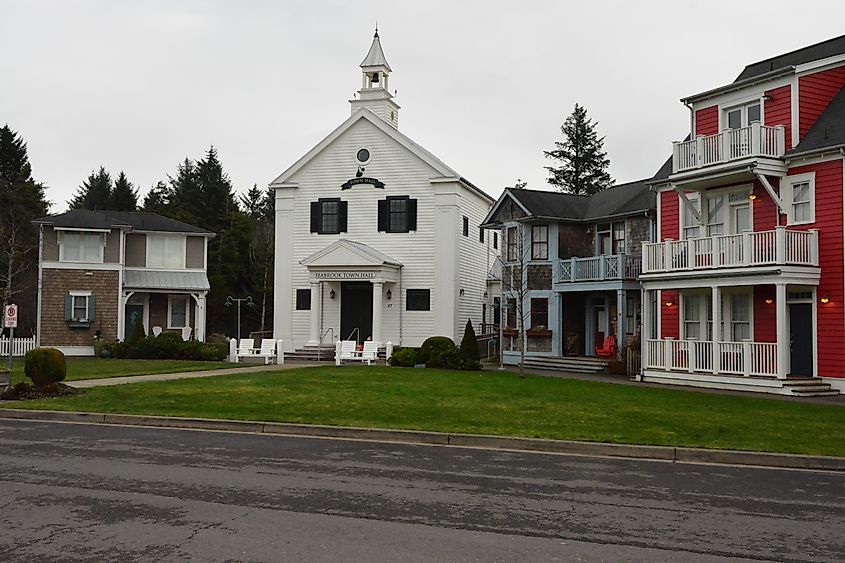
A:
(376, 238)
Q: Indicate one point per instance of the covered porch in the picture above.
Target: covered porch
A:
(165, 302)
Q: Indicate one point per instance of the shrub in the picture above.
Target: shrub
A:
(44, 366)
(403, 357)
(170, 346)
(432, 345)
(138, 332)
(446, 358)
(469, 348)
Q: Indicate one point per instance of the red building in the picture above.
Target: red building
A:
(746, 282)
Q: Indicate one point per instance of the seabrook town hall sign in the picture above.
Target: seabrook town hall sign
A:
(345, 275)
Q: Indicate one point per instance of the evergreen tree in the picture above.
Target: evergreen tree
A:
(21, 201)
(124, 195)
(469, 348)
(158, 199)
(95, 193)
(582, 164)
(259, 207)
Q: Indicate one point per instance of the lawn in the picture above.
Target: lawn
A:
(482, 402)
(94, 368)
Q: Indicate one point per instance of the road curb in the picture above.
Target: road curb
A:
(659, 453)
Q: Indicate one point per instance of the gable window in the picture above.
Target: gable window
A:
(79, 309)
(328, 216)
(800, 196)
(81, 247)
(397, 214)
(177, 311)
(165, 252)
(539, 313)
(418, 300)
(466, 226)
(303, 299)
(512, 243)
(539, 242)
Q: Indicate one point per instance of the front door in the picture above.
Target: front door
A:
(134, 313)
(356, 310)
(801, 339)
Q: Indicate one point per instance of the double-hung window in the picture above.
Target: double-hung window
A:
(740, 316)
(539, 242)
(690, 221)
(397, 214)
(177, 311)
(328, 216)
(800, 195)
(539, 313)
(79, 309)
(81, 247)
(165, 252)
(512, 242)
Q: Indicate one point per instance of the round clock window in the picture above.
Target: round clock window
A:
(363, 155)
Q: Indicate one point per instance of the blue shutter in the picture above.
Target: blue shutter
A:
(91, 308)
(68, 307)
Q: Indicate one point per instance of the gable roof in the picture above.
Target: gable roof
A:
(623, 199)
(352, 253)
(829, 129)
(823, 50)
(366, 114)
(127, 220)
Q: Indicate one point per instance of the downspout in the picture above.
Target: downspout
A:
(40, 285)
(400, 305)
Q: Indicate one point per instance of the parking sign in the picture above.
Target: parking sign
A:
(10, 317)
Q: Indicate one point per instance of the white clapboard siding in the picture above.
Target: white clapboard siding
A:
(475, 261)
(20, 346)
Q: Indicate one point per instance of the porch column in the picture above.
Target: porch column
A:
(314, 338)
(199, 318)
(782, 331)
(378, 288)
(716, 304)
(621, 302)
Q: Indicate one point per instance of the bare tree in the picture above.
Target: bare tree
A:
(15, 247)
(514, 260)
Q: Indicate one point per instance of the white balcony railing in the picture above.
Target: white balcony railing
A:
(744, 358)
(599, 268)
(761, 248)
(730, 144)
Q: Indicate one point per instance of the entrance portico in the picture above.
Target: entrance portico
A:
(351, 263)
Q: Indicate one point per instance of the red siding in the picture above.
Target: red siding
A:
(778, 110)
(831, 316)
(707, 121)
(814, 93)
(765, 212)
(765, 325)
(670, 326)
(669, 215)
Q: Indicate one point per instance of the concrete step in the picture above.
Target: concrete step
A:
(565, 364)
(809, 387)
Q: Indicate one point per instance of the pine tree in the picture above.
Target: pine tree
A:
(95, 193)
(157, 199)
(21, 201)
(124, 195)
(469, 348)
(582, 164)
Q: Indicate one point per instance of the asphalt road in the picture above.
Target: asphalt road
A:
(108, 493)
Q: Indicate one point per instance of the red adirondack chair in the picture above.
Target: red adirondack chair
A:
(608, 348)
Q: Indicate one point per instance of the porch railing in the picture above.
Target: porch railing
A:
(744, 358)
(776, 247)
(20, 346)
(599, 268)
(730, 144)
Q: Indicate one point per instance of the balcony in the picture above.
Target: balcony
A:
(599, 268)
(755, 140)
(778, 247)
(746, 358)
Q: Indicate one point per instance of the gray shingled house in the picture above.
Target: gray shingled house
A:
(581, 256)
(99, 271)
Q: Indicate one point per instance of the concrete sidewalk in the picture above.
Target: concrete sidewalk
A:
(110, 381)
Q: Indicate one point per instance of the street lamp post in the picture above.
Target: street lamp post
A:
(231, 300)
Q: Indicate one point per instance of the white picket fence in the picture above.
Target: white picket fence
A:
(19, 348)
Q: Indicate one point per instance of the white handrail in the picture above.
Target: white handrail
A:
(731, 144)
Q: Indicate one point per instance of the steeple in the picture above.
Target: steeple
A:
(374, 93)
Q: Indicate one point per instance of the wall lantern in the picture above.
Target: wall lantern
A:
(825, 299)
(752, 196)
(331, 294)
(669, 303)
(389, 295)
(769, 300)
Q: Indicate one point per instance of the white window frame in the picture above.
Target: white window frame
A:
(81, 234)
(73, 295)
(789, 182)
(167, 240)
(170, 308)
(743, 116)
(695, 201)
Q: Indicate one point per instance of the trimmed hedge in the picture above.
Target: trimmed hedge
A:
(45, 366)
(404, 357)
(433, 345)
(170, 346)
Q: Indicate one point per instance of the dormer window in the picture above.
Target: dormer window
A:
(81, 247)
(165, 252)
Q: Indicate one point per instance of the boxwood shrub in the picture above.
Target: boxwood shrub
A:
(44, 366)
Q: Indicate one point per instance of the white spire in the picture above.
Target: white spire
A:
(375, 56)
(374, 93)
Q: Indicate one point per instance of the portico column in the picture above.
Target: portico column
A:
(716, 304)
(782, 331)
(377, 293)
(314, 339)
(620, 319)
(199, 319)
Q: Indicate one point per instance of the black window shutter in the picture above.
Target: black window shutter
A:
(343, 208)
(315, 216)
(382, 215)
(412, 215)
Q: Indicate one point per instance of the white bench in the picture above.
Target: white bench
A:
(370, 352)
(347, 350)
(267, 350)
(246, 349)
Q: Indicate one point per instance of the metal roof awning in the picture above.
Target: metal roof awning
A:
(151, 279)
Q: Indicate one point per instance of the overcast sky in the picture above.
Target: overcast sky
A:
(138, 86)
